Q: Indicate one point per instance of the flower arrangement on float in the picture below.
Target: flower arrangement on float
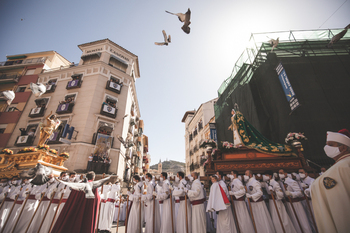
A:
(53, 151)
(208, 142)
(295, 139)
(43, 147)
(6, 151)
(227, 146)
(64, 154)
(28, 149)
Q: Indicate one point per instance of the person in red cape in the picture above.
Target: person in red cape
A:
(79, 214)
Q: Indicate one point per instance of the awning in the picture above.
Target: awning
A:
(16, 57)
(92, 54)
(119, 59)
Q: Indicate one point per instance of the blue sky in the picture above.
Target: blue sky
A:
(176, 78)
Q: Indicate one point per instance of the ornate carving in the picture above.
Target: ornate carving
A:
(261, 165)
(251, 155)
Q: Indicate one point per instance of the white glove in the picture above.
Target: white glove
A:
(304, 185)
(154, 193)
(307, 192)
(289, 194)
(129, 193)
(270, 188)
(185, 190)
(248, 195)
(230, 192)
(171, 188)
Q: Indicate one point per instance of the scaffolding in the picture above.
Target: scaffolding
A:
(291, 44)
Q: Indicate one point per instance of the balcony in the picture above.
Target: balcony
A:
(65, 108)
(109, 111)
(76, 83)
(196, 166)
(37, 112)
(9, 78)
(26, 140)
(22, 62)
(50, 88)
(113, 86)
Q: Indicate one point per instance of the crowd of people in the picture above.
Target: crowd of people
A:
(98, 163)
(262, 203)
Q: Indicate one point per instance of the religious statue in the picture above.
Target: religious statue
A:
(47, 129)
(236, 137)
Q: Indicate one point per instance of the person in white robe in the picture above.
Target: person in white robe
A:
(294, 192)
(305, 183)
(167, 223)
(181, 217)
(219, 203)
(262, 218)
(106, 218)
(103, 191)
(331, 191)
(57, 191)
(198, 198)
(151, 210)
(134, 219)
(28, 209)
(8, 202)
(39, 216)
(273, 188)
(21, 192)
(177, 200)
(238, 195)
(210, 216)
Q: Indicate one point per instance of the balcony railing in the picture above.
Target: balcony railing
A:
(9, 77)
(109, 111)
(65, 108)
(113, 86)
(23, 62)
(37, 112)
(76, 83)
(25, 140)
(59, 68)
(50, 88)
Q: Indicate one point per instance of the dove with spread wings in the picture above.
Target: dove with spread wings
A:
(167, 40)
(86, 187)
(185, 18)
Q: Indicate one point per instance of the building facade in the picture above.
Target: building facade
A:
(98, 98)
(16, 74)
(197, 129)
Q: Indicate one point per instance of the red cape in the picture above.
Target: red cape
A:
(79, 214)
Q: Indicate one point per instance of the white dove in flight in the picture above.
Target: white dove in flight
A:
(38, 89)
(185, 18)
(167, 40)
(337, 37)
(86, 187)
(9, 96)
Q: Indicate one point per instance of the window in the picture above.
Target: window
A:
(21, 89)
(2, 128)
(12, 108)
(51, 85)
(109, 106)
(30, 72)
(118, 63)
(66, 106)
(105, 128)
(76, 81)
